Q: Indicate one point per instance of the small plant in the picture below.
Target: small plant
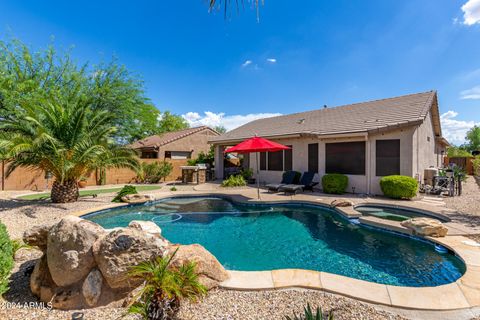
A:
(308, 315)
(334, 183)
(399, 187)
(247, 173)
(6, 259)
(154, 172)
(234, 181)
(173, 188)
(18, 244)
(165, 286)
(126, 190)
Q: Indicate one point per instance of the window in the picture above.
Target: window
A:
(313, 157)
(263, 161)
(387, 160)
(149, 155)
(345, 158)
(288, 159)
(178, 155)
(275, 161)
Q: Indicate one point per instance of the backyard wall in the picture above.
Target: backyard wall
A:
(26, 179)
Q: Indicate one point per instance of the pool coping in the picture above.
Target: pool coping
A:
(461, 294)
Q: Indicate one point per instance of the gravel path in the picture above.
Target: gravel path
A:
(468, 204)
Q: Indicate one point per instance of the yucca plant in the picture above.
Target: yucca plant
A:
(164, 287)
(308, 315)
(65, 137)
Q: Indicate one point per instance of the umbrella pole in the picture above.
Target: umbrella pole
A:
(258, 176)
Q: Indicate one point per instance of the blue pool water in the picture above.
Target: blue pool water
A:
(267, 237)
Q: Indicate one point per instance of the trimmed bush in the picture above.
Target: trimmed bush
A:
(399, 187)
(234, 181)
(6, 258)
(334, 183)
(154, 172)
(126, 190)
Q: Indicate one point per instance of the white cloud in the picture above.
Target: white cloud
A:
(455, 130)
(246, 63)
(471, 94)
(272, 60)
(230, 122)
(471, 12)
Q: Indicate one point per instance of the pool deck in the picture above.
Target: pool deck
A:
(463, 294)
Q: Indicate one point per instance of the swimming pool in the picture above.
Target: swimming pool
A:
(278, 236)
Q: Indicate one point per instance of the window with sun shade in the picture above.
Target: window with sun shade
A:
(313, 157)
(345, 158)
(387, 160)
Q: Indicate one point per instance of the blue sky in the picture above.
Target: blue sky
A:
(299, 56)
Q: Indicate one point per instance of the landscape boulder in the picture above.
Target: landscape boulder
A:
(120, 249)
(37, 236)
(69, 249)
(425, 227)
(210, 271)
(341, 203)
(92, 287)
(137, 198)
(146, 226)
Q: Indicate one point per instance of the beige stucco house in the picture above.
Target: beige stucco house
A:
(176, 145)
(365, 141)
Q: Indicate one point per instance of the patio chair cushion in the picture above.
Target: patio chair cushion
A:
(306, 182)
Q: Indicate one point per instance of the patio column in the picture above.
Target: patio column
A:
(219, 162)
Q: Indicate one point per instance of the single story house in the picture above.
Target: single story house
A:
(176, 145)
(364, 141)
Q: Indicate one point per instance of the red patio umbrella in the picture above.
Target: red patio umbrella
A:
(257, 144)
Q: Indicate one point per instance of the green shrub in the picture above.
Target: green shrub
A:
(476, 166)
(154, 172)
(234, 181)
(308, 315)
(6, 258)
(128, 189)
(334, 183)
(247, 173)
(399, 187)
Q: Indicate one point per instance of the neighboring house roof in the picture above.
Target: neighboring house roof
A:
(167, 137)
(372, 116)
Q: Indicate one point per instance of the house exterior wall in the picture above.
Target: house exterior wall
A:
(196, 143)
(368, 183)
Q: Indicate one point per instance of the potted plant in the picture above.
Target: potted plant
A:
(82, 182)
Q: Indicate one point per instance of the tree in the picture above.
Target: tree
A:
(171, 122)
(27, 76)
(473, 138)
(65, 136)
(220, 129)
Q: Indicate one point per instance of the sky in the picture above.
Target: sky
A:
(297, 56)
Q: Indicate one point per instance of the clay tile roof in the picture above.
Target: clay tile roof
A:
(165, 138)
(354, 118)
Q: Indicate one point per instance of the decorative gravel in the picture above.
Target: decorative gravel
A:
(468, 204)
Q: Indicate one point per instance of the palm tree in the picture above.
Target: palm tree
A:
(64, 137)
(164, 287)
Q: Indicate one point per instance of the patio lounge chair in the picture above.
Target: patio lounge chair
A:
(306, 183)
(288, 177)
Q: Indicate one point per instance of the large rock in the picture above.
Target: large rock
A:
(210, 271)
(137, 198)
(121, 249)
(37, 236)
(341, 203)
(146, 226)
(425, 227)
(69, 249)
(92, 287)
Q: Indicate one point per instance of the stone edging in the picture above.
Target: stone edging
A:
(462, 294)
